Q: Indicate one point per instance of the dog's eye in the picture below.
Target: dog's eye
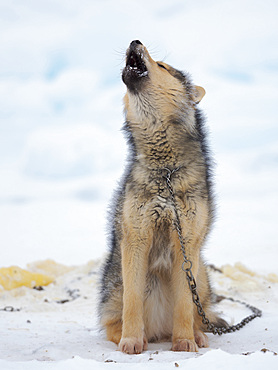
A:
(161, 65)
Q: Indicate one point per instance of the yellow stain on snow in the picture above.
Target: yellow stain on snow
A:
(50, 268)
(15, 277)
(246, 279)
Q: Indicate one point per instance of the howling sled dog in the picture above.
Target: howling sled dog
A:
(144, 291)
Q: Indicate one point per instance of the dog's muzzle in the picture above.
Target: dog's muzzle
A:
(135, 70)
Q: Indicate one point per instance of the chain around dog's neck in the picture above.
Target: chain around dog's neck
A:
(187, 268)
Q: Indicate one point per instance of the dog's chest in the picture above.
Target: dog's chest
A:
(160, 211)
(161, 252)
(151, 199)
(159, 203)
(161, 215)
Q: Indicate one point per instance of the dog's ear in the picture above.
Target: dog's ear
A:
(198, 94)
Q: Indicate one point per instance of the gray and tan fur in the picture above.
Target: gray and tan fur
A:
(144, 292)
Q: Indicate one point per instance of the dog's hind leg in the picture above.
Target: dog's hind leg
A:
(114, 331)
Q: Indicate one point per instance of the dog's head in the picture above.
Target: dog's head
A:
(157, 81)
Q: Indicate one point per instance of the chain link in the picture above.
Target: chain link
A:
(187, 268)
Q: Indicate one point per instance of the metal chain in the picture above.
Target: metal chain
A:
(187, 268)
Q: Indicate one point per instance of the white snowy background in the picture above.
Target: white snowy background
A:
(62, 151)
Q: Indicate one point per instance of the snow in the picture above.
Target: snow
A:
(216, 359)
(62, 153)
(69, 152)
(57, 325)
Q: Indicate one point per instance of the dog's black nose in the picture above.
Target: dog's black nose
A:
(135, 42)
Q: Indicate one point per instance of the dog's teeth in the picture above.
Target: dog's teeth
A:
(143, 74)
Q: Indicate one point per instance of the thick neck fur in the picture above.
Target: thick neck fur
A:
(162, 130)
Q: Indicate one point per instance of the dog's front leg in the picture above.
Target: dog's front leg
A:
(134, 251)
(183, 320)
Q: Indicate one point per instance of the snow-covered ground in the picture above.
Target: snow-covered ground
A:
(58, 324)
(62, 152)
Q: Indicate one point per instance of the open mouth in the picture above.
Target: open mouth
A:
(135, 64)
(135, 73)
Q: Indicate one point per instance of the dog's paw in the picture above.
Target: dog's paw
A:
(133, 345)
(184, 345)
(201, 339)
